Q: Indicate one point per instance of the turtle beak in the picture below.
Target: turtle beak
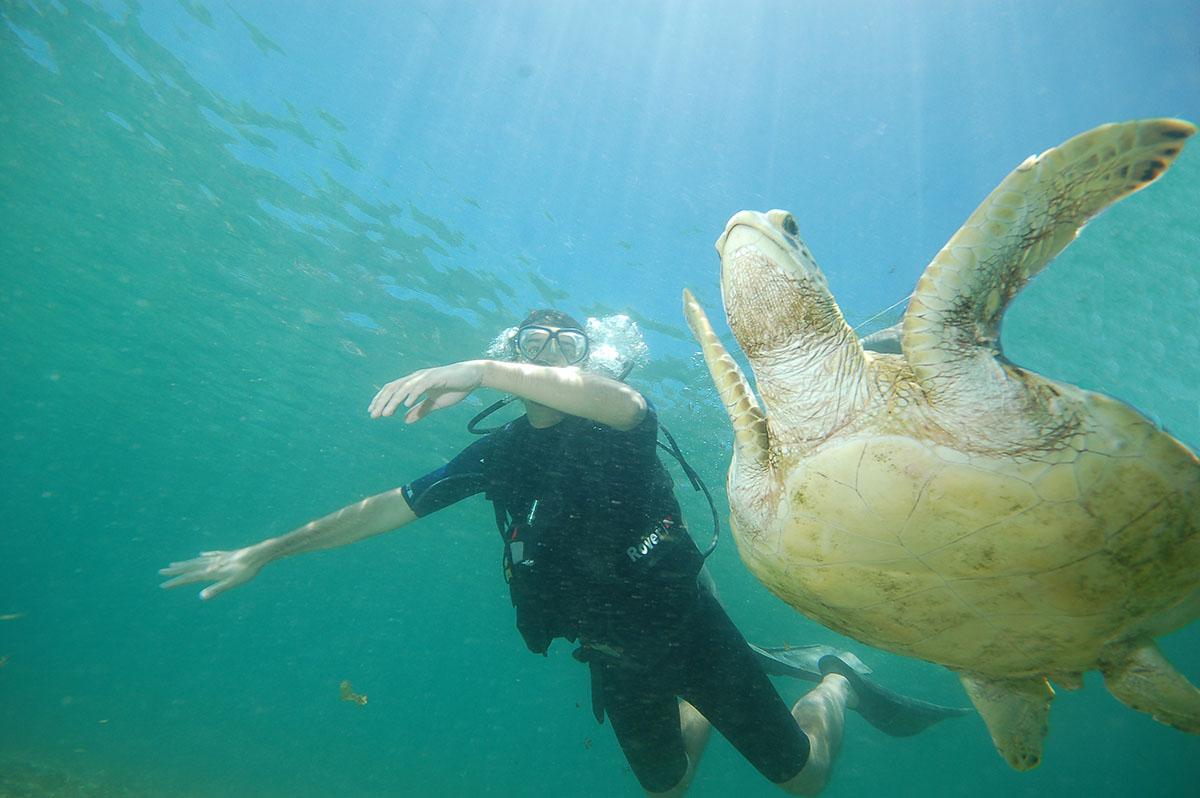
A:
(748, 220)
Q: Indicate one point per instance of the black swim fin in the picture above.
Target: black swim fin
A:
(800, 662)
(891, 713)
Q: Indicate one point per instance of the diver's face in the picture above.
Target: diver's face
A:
(551, 346)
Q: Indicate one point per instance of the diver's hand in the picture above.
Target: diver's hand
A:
(441, 387)
(227, 568)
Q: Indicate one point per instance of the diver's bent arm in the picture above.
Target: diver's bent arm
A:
(569, 391)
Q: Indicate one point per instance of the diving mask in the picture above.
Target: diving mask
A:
(614, 346)
(536, 344)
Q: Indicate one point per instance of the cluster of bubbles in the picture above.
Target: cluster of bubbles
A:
(615, 346)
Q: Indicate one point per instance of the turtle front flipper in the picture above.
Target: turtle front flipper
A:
(952, 325)
(1141, 678)
(751, 441)
(1016, 712)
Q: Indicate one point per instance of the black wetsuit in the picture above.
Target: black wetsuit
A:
(614, 567)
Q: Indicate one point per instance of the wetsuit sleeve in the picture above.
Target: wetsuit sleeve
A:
(461, 477)
(635, 449)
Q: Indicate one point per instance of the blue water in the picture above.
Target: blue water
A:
(225, 225)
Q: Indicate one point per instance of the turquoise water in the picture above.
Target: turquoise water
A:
(226, 225)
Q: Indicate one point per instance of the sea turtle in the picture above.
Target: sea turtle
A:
(942, 502)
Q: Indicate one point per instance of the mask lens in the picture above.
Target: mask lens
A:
(573, 345)
(531, 341)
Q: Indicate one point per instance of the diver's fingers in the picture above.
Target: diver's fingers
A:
(387, 393)
(420, 411)
(418, 389)
(173, 569)
(220, 587)
(182, 579)
(411, 390)
(379, 404)
(381, 399)
(198, 564)
(435, 400)
(425, 385)
(401, 395)
(448, 398)
(377, 400)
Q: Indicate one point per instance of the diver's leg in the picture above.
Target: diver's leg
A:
(695, 729)
(821, 714)
(661, 739)
(724, 680)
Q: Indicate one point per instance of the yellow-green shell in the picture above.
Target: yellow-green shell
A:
(996, 564)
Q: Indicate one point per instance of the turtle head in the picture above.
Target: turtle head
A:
(773, 289)
(804, 355)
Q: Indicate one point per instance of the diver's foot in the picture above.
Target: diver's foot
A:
(831, 665)
(891, 713)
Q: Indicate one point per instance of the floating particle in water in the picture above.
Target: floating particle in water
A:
(348, 694)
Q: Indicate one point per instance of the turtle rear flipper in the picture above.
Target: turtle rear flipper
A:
(1141, 678)
(1016, 713)
(952, 325)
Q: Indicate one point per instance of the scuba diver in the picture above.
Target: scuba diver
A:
(596, 551)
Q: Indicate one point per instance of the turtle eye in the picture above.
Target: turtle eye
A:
(789, 225)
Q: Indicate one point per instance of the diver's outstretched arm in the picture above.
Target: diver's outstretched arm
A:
(228, 569)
